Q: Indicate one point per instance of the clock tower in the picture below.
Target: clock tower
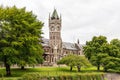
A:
(55, 41)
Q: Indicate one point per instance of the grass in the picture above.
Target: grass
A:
(47, 71)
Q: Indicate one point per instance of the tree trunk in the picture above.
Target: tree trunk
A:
(98, 67)
(8, 72)
(78, 67)
(70, 68)
(7, 66)
(22, 67)
(105, 69)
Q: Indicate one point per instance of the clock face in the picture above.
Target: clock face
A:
(57, 28)
(52, 28)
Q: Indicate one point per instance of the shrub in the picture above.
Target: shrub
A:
(37, 76)
(31, 76)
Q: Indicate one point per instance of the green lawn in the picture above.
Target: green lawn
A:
(47, 71)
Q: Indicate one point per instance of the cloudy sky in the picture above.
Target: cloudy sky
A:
(81, 19)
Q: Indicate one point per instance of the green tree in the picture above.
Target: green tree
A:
(20, 34)
(102, 53)
(94, 50)
(112, 61)
(75, 60)
(115, 42)
(97, 60)
(115, 48)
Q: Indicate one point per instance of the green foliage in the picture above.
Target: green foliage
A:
(94, 50)
(102, 53)
(36, 76)
(31, 76)
(113, 59)
(115, 42)
(93, 47)
(20, 34)
(98, 59)
(75, 60)
(46, 72)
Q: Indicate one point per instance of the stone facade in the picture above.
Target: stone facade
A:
(54, 48)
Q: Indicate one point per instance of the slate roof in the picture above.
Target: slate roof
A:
(55, 15)
(66, 45)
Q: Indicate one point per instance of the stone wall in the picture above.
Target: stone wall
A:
(112, 76)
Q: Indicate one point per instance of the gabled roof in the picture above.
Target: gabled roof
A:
(65, 45)
(70, 46)
(55, 15)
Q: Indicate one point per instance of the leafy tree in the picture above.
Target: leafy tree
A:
(112, 61)
(98, 59)
(75, 60)
(94, 49)
(20, 34)
(115, 42)
(115, 48)
(100, 52)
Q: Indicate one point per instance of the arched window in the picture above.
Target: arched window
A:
(58, 28)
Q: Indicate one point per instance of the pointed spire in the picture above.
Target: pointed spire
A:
(78, 41)
(55, 15)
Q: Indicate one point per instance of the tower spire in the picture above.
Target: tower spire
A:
(78, 42)
(55, 14)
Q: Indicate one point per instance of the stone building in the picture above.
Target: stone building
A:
(54, 47)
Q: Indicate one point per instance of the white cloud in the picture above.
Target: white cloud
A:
(81, 19)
